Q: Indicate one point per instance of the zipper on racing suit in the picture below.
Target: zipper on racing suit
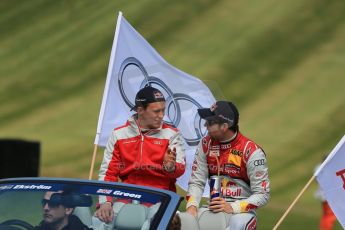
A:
(141, 143)
(141, 148)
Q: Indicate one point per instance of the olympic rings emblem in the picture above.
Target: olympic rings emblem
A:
(173, 108)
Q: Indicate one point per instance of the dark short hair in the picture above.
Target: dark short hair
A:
(144, 106)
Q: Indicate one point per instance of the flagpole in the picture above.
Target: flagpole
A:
(93, 161)
(293, 203)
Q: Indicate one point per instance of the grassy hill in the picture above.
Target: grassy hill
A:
(283, 63)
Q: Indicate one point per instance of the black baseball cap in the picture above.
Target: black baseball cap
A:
(224, 110)
(148, 95)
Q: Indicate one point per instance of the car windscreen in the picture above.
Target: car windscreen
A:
(24, 205)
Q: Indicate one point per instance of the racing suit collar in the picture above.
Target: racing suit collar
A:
(238, 136)
(234, 140)
(231, 139)
(133, 122)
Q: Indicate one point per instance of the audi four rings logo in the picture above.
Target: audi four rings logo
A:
(259, 162)
(173, 110)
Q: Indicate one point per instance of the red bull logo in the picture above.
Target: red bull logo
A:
(230, 189)
(230, 183)
(231, 193)
(250, 207)
(214, 193)
(226, 182)
(158, 95)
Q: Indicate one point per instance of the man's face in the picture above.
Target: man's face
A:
(54, 213)
(215, 130)
(152, 116)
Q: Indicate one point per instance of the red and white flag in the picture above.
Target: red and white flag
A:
(331, 177)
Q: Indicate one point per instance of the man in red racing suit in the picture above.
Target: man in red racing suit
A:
(145, 151)
(136, 156)
(240, 163)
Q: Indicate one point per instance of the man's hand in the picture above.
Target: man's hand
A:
(218, 204)
(192, 210)
(105, 212)
(169, 160)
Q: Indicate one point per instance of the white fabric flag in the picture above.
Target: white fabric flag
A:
(331, 177)
(133, 64)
